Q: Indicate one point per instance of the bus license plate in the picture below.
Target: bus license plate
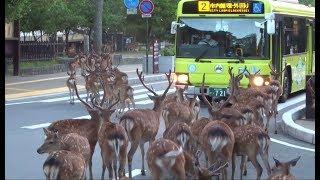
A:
(217, 92)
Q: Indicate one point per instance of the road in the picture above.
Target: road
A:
(25, 118)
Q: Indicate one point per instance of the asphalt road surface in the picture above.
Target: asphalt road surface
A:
(25, 118)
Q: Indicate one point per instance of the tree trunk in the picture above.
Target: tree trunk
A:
(97, 41)
(67, 39)
(34, 36)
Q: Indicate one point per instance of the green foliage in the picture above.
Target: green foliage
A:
(168, 51)
(307, 2)
(16, 9)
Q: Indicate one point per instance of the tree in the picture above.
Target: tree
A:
(97, 42)
(16, 9)
(307, 2)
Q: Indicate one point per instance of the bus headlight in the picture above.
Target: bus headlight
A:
(182, 78)
(258, 81)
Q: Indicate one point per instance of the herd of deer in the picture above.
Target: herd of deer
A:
(236, 127)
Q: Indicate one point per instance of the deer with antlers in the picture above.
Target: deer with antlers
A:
(281, 170)
(88, 128)
(313, 95)
(69, 155)
(113, 142)
(142, 125)
(70, 85)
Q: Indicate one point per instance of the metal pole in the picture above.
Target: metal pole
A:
(147, 45)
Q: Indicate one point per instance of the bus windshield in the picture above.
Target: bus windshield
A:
(223, 37)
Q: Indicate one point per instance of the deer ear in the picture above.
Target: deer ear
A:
(46, 131)
(276, 161)
(294, 161)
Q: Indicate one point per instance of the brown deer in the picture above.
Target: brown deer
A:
(91, 85)
(69, 155)
(179, 111)
(113, 142)
(281, 170)
(126, 98)
(166, 160)
(142, 124)
(85, 127)
(251, 141)
(70, 85)
(217, 141)
(180, 133)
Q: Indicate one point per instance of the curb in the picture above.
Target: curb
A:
(296, 130)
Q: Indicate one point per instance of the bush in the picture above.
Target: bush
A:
(168, 51)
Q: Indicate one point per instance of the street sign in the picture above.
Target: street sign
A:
(146, 15)
(131, 4)
(132, 11)
(146, 6)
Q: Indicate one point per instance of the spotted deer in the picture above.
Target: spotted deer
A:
(179, 111)
(167, 160)
(70, 85)
(88, 128)
(251, 141)
(180, 133)
(142, 125)
(92, 85)
(281, 170)
(113, 142)
(69, 155)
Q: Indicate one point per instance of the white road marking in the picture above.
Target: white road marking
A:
(134, 172)
(55, 94)
(291, 145)
(36, 126)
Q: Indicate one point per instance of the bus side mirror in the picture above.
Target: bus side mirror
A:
(174, 25)
(271, 24)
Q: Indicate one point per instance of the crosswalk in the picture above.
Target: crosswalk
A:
(140, 97)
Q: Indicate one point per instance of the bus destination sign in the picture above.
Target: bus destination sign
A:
(219, 7)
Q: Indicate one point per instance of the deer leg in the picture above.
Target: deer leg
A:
(256, 164)
(233, 165)
(133, 149)
(275, 122)
(122, 162)
(87, 95)
(110, 170)
(141, 145)
(103, 166)
(264, 156)
(115, 169)
(244, 160)
(72, 96)
(69, 95)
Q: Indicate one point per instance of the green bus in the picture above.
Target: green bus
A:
(209, 35)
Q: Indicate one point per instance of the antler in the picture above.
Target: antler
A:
(274, 72)
(245, 69)
(250, 73)
(170, 83)
(141, 78)
(310, 86)
(202, 93)
(76, 89)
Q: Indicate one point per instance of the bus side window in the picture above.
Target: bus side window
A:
(295, 35)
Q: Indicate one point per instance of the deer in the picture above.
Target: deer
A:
(88, 128)
(312, 92)
(142, 125)
(126, 98)
(91, 85)
(176, 111)
(70, 85)
(180, 133)
(69, 155)
(251, 141)
(112, 139)
(281, 170)
(167, 160)
(217, 141)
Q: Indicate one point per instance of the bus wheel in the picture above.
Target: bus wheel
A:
(286, 87)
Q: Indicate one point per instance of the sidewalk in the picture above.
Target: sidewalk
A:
(19, 87)
(295, 124)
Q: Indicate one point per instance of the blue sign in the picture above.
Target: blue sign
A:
(146, 6)
(131, 4)
(257, 8)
